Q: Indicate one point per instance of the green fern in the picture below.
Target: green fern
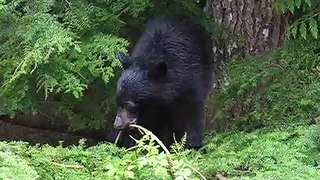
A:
(59, 47)
(306, 22)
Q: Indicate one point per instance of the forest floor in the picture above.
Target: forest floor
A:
(259, 154)
(12, 132)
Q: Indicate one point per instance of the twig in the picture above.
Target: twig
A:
(166, 151)
(131, 148)
(202, 176)
(220, 177)
(118, 137)
(152, 136)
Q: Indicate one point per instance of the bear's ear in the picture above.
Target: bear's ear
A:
(124, 59)
(158, 72)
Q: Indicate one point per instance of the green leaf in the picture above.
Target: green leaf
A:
(76, 94)
(294, 30)
(281, 5)
(303, 30)
(298, 3)
(290, 5)
(130, 174)
(313, 28)
(179, 178)
(308, 2)
(1, 4)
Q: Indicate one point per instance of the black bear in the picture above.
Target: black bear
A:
(166, 79)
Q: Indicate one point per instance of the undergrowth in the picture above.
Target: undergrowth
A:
(263, 154)
(18, 160)
(276, 89)
(270, 101)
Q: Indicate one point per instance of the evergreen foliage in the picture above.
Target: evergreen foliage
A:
(305, 17)
(264, 154)
(276, 89)
(55, 49)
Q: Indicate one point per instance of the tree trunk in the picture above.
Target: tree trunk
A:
(256, 22)
(257, 28)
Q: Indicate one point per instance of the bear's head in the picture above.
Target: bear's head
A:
(141, 80)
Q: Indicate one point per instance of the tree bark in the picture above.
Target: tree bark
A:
(256, 22)
(256, 28)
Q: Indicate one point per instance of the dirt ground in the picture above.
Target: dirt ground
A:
(11, 132)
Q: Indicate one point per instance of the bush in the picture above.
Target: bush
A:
(103, 161)
(54, 50)
(263, 154)
(65, 51)
(278, 88)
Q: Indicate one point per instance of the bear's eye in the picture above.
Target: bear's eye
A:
(131, 107)
(129, 104)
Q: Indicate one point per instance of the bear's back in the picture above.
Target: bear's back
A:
(178, 39)
(185, 46)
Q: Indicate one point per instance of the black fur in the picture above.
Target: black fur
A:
(169, 74)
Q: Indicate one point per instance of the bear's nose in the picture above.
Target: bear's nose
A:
(118, 124)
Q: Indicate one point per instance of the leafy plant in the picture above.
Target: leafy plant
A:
(306, 15)
(57, 49)
(98, 162)
(263, 154)
(61, 50)
(279, 88)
